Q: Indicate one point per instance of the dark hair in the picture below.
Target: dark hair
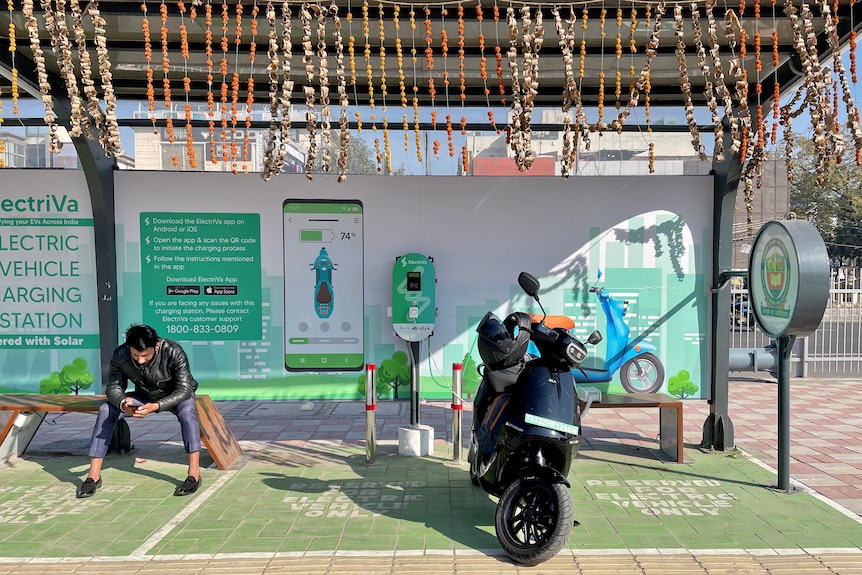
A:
(141, 337)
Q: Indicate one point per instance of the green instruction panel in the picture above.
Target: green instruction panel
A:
(200, 275)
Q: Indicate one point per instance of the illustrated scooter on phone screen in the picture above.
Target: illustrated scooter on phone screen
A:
(323, 318)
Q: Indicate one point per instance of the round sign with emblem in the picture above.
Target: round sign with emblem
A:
(788, 278)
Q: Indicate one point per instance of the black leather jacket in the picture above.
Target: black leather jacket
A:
(167, 379)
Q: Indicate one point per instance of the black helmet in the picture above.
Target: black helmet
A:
(503, 345)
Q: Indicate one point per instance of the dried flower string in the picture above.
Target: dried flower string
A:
(109, 137)
(209, 63)
(13, 48)
(32, 26)
(234, 89)
(55, 22)
(166, 82)
(323, 75)
(685, 85)
(384, 90)
(413, 59)
(187, 86)
(249, 101)
(273, 69)
(343, 100)
(225, 46)
(310, 114)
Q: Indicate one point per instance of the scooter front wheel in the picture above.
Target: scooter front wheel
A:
(534, 520)
(642, 374)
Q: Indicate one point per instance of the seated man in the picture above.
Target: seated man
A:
(159, 368)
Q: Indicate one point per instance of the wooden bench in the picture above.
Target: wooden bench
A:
(215, 434)
(670, 416)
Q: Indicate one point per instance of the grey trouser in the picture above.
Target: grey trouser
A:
(108, 415)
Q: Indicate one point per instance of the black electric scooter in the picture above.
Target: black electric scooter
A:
(526, 430)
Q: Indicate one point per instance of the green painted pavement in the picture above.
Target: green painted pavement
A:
(325, 498)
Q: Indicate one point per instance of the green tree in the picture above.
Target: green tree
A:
(829, 195)
(70, 380)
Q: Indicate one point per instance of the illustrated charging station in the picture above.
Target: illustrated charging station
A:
(414, 310)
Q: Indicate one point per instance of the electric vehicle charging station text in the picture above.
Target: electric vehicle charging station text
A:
(414, 311)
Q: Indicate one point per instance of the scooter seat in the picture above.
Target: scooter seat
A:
(553, 321)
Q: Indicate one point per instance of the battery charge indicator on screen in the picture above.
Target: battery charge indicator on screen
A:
(316, 235)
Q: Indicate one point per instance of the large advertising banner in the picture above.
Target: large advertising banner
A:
(284, 289)
(49, 334)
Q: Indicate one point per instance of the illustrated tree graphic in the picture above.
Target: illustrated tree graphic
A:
(469, 376)
(71, 379)
(681, 385)
(392, 374)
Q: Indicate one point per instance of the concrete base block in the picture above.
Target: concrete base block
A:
(416, 440)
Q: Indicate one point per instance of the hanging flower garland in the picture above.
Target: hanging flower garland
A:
(846, 95)
(310, 114)
(461, 76)
(208, 43)
(234, 89)
(343, 100)
(514, 131)
(709, 90)
(369, 73)
(737, 70)
(685, 85)
(416, 133)
(223, 109)
(109, 138)
(148, 57)
(399, 56)
(429, 55)
(286, 84)
(323, 76)
(44, 87)
(449, 135)
(13, 48)
(444, 49)
(166, 82)
(386, 148)
(89, 87)
(249, 101)
(382, 66)
(498, 55)
(643, 83)
(273, 69)
(570, 91)
(187, 86)
(56, 23)
(720, 86)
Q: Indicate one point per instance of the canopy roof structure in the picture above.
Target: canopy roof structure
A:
(306, 62)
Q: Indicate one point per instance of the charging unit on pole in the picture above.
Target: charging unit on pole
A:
(414, 311)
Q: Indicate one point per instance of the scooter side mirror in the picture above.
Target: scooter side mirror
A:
(529, 284)
(594, 338)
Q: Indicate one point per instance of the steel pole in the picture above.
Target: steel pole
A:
(370, 411)
(457, 411)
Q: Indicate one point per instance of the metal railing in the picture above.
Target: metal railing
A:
(835, 347)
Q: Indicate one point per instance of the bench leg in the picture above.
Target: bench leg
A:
(671, 432)
(216, 435)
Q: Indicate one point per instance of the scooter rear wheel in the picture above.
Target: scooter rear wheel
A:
(534, 519)
(642, 374)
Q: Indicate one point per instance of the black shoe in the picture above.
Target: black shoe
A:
(189, 486)
(88, 488)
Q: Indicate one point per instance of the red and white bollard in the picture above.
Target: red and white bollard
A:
(370, 410)
(457, 411)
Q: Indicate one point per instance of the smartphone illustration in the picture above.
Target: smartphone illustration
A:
(324, 303)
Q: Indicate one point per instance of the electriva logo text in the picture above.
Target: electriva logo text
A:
(49, 204)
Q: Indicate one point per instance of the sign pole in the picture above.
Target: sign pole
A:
(785, 344)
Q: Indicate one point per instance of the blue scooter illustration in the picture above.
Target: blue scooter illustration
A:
(640, 370)
(323, 296)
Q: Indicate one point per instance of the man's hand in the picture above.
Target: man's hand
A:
(145, 409)
(128, 409)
